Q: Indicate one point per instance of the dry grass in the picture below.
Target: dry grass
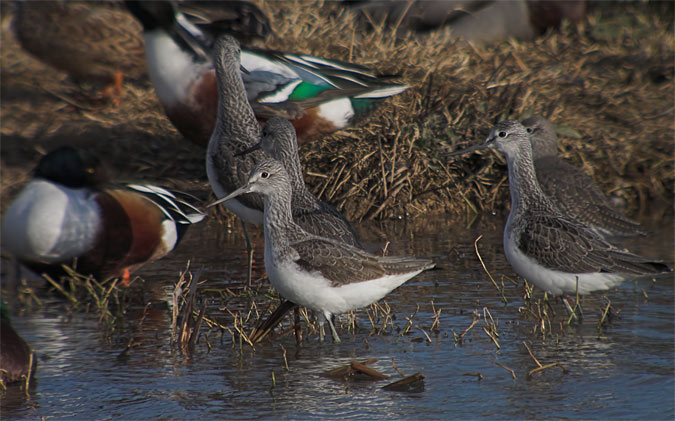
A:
(606, 84)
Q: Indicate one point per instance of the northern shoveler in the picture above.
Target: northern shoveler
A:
(68, 213)
(17, 358)
(569, 188)
(317, 95)
(93, 41)
(548, 248)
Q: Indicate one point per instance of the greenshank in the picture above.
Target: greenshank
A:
(322, 274)
(314, 216)
(555, 253)
(570, 189)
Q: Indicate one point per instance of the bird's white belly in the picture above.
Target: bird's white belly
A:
(49, 223)
(553, 281)
(313, 291)
(249, 215)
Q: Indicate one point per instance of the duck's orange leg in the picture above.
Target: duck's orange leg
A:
(114, 90)
(126, 278)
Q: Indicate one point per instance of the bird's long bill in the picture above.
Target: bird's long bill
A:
(249, 150)
(241, 190)
(473, 148)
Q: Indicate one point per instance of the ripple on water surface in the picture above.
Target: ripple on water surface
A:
(623, 369)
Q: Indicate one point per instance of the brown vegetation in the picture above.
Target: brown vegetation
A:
(607, 84)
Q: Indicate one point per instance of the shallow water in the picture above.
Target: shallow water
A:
(624, 369)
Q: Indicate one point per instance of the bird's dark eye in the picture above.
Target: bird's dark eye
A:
(502, 134)
(529, 130)
(264, 174)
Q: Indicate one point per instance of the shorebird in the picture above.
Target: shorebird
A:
(554, 252)
(318, 95)
(325, 275)
(570, 189)
(237, 130)
(314, 216)
(70, 212)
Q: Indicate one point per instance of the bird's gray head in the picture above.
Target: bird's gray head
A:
(504, 137)
(542, 136)
(266, 178)
(226, 52)
(508, 137)
(278, 138)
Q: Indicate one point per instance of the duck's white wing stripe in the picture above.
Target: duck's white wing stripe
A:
(280, 95)
(383, 92)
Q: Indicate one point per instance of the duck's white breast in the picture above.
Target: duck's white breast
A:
(171, 69)
(49, 223)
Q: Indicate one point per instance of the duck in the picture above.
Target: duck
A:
(70, 213)
(101, 42)
(17, 358)
(94, 41)
(477, 21)
(318, 95)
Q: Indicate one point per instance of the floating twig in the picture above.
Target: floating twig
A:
(513, 374)
(357, 371)
(411, 384)
(477, 375)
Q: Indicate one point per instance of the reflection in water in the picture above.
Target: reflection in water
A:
(624, 369)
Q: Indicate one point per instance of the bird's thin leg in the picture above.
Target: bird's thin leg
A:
(249, 249)
(336, 338)
(321, 319)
